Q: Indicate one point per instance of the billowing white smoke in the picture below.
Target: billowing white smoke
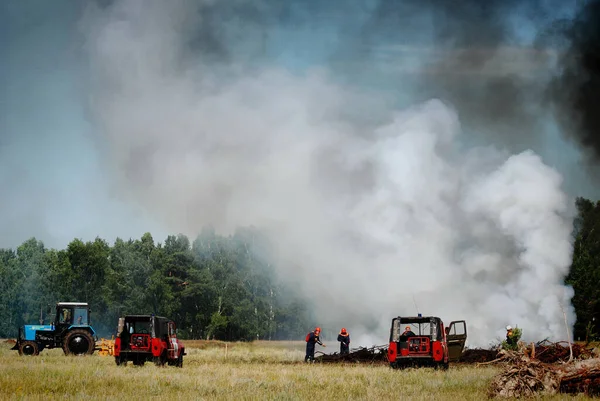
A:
(371, 219)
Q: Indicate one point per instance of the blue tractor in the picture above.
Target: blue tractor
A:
(70, 331)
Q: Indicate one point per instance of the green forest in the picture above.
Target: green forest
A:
(216, 287)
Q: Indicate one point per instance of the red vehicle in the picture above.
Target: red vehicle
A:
(148, 338)
(423, 341)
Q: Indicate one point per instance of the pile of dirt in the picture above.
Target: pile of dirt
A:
(11, 341)
(525, 377)
(377, 354)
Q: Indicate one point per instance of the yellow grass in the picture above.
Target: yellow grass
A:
(240, 371)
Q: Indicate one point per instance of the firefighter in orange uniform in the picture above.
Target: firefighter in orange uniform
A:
(344, 339)
(311, 339)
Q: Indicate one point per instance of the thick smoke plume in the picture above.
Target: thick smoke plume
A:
(575, 90)
(375, 209)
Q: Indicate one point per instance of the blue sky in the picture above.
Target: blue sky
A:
(54, 185)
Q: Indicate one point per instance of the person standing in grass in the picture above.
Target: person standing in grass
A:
(311, 339)
(344, 339)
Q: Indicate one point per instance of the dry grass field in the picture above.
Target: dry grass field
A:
(240, 371)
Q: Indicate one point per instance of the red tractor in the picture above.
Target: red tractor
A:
(423, 341)
(148, 338)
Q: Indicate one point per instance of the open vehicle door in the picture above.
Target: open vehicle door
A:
(456, 336)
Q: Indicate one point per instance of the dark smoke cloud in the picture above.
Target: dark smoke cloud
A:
(471, 53)
(473, 57)
(575, 91)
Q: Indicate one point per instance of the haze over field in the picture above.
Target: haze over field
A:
(398, 159)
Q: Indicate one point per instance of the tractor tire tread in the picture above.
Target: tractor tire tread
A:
(84, 333)
(36, 348)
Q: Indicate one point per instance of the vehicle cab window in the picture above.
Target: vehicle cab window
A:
(80, 316)
(65, 316)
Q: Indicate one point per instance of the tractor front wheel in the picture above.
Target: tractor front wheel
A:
(29, 348)
(78, 342)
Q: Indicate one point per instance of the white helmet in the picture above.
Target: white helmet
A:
(509, 327)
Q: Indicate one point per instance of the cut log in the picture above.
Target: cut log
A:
(528, 378)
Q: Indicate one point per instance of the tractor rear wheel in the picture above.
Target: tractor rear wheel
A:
(78, 342)
(29, 348)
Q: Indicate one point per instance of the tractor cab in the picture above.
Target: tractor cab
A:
(71, 314)
(422, 340)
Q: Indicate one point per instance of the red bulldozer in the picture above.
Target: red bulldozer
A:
(424, 341)
(148, 338)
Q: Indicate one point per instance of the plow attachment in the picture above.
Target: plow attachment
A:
(106, 347)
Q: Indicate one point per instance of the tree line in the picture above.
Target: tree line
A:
(216, 287)
(584, 274)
